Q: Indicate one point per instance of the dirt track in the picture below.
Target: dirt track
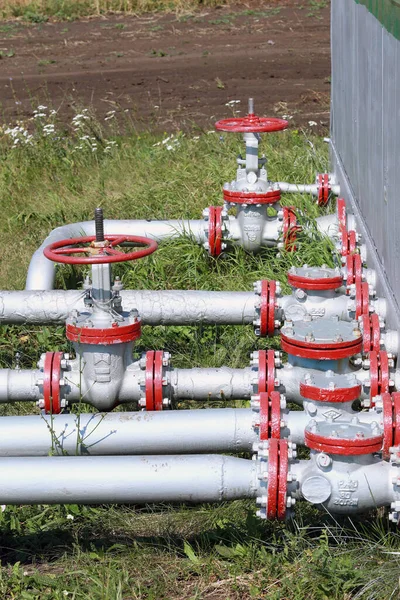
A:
(171, 71)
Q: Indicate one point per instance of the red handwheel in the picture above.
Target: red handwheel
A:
(63, 251)
(251, 124)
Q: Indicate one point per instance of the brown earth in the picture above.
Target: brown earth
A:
(171, 71)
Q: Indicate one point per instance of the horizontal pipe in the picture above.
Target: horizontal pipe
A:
(305, 189)
(165, 307)
(126, 479)
(41, 272)
(119, 433)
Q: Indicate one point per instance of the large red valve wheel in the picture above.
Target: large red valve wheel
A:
(99, 252)
(251, 124)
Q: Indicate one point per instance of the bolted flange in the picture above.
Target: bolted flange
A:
(349, 439)
(315, 278)
(327, 386)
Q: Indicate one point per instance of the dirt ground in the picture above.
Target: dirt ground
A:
(170, 71)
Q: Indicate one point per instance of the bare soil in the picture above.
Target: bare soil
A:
(170, 71)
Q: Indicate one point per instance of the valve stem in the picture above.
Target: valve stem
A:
(251, 106)
(99, 224)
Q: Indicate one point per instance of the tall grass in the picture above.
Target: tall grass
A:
(37, 10)
(220, 552)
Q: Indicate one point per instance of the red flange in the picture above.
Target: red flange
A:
(283, 476)
(366, 327)
(362, 299)
(371, 333)
(354, 269)
(149, 380)
(215, 230)
(321, 351)
(373, 374)
(106, 337)
(275, 399)
(266, 371)
(343, 446)
(309, 283)
(251, 124)
(267, 308)
(325, 395)
(62, 251)
(51, 382)
(396, 418)
(383, 372)
(236, 197)
(349, 242)
(324, 189)
(273, 478)
(387, 424)
(264, 429)
(290, 228)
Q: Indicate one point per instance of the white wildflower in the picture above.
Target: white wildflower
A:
(70, 517)
(312, 123)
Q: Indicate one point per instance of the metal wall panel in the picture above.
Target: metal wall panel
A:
(365, 135)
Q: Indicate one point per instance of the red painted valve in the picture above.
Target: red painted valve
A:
(251, 123)
(324, 189)
(99, 252)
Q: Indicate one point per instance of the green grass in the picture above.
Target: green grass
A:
(39, 11)
(216, 552)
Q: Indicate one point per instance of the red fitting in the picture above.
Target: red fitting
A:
(362, 299)
(309, 283)
(349, 242)
(396, 418)
(371, 333)
(318, 394)
(341, 215)
(236, 197)
(215, 230)
(154, 380)
(267, 308)
(343, 446)
(388, 425)
(278, 466)
(354, 269)
(324, 189)
(251, 124)
(282, 480)
(266, 371)
(270, 416)
(51, 382)
(314, 351)
(107, 337)
(290, 228)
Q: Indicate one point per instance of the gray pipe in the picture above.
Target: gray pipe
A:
(166, 307)
(41, 272)
(118, 433)
(126, 479)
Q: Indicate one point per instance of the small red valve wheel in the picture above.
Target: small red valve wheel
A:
(324, 189)
(51, 382)
(282, 479)
(251, 124)
(273, 478)
(237, 197)
(99, 252)
(396, 418)
(387, 424)
(341, 215)
(215, 230)
(290, 228)
(267, 308)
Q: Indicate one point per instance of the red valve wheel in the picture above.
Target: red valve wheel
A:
(282, 480)
(158, 377)
(387, 424)
(264, 416)
(323, 189)
(275, 398)
(237, 197)
(149, 378)
(251, 124)
(373, 374)
(273, 478)
(396, 418)
(63, 250)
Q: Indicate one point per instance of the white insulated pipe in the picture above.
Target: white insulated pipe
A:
(41, 272)
(127, 433)
(155, 307)
(126, 479)
(304, 189)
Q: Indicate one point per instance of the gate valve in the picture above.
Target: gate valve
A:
(321, 339)
(315, 278)
(345, 439)
(251, 186)
(328, 386)
(214, 217)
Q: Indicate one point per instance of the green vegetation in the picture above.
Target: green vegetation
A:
(55, 174)
(39, 11)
